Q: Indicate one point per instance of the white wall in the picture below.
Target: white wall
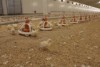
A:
(29, 6)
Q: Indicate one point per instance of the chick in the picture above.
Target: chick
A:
(45, 44)
(13, 31)
(9, 27)
(55, 23)
(59, 26)
(15, 26)
(51, 24)
(35, 33)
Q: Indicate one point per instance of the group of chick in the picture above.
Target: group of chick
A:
(43, 44)
(14, 27)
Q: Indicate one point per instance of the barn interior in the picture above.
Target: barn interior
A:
(49, 33)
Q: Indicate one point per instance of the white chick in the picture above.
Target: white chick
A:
(59, 26)
(15, 26)
(45, 44)
(35, 33)
(13, 31)
(9, 27)
(51, 25)
(6, 62)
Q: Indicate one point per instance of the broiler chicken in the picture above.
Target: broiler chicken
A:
(35, 33)
(15, 26)
(9, 27)
(13, 31)
(45, 44)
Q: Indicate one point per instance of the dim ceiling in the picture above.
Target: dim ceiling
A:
(93, 3)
